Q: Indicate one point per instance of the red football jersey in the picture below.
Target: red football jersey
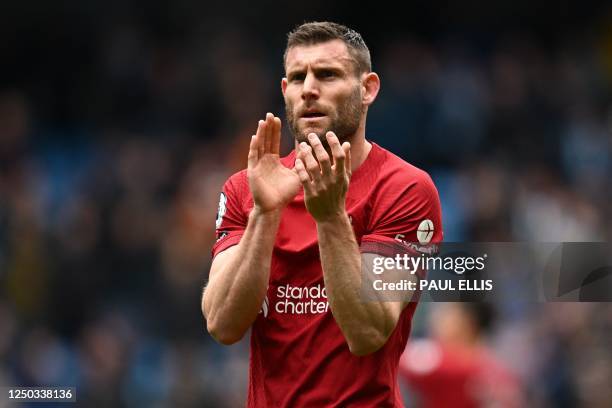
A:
(299, 357)
(458, 377)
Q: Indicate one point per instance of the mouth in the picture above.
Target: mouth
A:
(312, 115)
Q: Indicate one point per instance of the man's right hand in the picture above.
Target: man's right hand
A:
(239, 276)
(273, 185)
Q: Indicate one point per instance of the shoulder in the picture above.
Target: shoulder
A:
(236, 183)
(237, 179)
(396, 174)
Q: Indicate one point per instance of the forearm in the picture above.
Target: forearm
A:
(365, 325)
(235, 291)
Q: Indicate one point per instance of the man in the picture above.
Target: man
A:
(293, 233)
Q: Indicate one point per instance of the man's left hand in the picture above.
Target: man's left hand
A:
(325, 183)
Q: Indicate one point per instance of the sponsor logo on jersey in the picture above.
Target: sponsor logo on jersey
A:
(297, 300)
(422, 249)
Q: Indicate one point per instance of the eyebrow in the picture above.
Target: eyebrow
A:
(318, 67)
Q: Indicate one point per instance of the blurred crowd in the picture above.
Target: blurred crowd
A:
(113, 155)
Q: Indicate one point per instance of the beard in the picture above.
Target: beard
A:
(344, 121)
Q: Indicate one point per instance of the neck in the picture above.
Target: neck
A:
(360, 148)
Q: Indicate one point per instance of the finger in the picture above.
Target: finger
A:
(320, 153)
(346, 146)
(253, 153)
(269, 132)
(303, 175)
(314, 171)
(261, 129)
(337, 152)
(276, 136)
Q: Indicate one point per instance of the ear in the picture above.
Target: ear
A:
(284, 85)
(370, 83)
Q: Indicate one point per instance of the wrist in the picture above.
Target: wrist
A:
(267, 215)
(334, 220)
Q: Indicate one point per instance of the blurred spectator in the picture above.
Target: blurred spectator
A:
(456, 368)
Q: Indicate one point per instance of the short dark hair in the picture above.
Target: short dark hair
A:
(317, 32)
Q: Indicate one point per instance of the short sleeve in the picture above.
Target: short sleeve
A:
(406, 218)
(231, 217)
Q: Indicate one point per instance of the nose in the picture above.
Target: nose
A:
(310, 87)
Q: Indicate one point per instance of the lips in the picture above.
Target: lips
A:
(312, 114)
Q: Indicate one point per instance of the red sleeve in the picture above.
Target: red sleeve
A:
(406, 217)
(231, 216)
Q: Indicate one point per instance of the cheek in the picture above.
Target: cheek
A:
(290, 99)
(341, 101)
(289, 103)
(346, 96)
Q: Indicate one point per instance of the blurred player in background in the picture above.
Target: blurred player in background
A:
(455, 368)
(292, 233)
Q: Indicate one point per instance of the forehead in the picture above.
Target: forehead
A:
(333, 52)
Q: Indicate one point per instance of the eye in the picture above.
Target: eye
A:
(327, 74)
(299, 77)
